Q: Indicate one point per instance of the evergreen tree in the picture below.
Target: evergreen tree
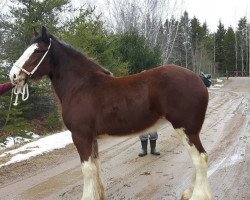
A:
(198, 34)
(134, 50)
(12, 120)
(219, 47)
(183, 49)
(195, 33)
(16, 30)
(87, 33)
(16, 27)
(229, 46)
(242, 41)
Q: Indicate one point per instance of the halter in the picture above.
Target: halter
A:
(24, 91)
(36, 67)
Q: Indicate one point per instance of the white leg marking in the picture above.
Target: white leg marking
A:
(93, 187)
(199, 189)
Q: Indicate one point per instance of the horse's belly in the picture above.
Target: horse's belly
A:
(154, 127)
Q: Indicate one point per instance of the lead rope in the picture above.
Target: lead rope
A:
(17, 91)
(24, 91)
(8, 115)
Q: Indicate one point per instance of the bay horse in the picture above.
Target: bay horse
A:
(94, 102)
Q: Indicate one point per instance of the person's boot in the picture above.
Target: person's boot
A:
(152, 146)
(144, 145)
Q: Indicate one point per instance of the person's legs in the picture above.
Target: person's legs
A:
(144, 145)
(153, 137)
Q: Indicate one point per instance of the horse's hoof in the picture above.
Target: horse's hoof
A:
(184, 197)
(187, 194)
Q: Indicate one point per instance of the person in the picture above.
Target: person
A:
(152, 137)
(5, 87)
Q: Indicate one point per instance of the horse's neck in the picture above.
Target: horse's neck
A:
(71, 68)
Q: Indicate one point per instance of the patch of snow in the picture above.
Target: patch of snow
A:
(11, 141)
(219, 80)
(32, 135)
(38, 147)
(216, 86)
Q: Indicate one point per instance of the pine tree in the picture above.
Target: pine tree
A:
(16, 27)
(219, 47)
(16, 30)
(183, 49)
(12, 120)
(134, 49)
(242, 44)
(229, 46)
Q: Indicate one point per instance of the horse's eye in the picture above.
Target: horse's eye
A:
(40, 50)
(37, 51)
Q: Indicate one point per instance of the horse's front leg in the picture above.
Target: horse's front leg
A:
(88, 150)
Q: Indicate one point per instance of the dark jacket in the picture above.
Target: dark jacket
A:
(4, 87)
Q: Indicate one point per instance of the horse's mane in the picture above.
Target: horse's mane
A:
(74, 51)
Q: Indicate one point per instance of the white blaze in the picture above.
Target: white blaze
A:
(15, 71)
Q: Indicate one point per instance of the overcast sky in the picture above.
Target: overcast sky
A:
(211, 11)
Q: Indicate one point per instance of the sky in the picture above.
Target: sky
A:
(211, 11)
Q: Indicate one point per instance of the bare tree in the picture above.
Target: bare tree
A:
(153, 19)
(249, 49)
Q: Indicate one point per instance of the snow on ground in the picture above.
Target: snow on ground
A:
(11, 141)
(219, 80)
(217, 86)
(38, 147)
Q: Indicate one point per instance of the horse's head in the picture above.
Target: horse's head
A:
(35, 61)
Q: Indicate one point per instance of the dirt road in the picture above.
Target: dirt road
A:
(225, 135)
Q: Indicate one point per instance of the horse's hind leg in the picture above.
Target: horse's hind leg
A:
(199, 190)
(88, 150)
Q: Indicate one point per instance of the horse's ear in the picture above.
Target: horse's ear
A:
(35, 32)
(44, 34)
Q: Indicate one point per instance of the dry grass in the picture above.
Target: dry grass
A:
(8, 156)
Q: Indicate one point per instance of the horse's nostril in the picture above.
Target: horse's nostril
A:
(14, 76)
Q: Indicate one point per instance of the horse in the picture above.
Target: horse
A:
(94, 103)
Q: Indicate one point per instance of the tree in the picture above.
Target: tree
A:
(87, 33)
(16, 27)
(183, 50)
(197, 34)
(219, 47)
(155, 20)
(242, 41)
(134, 50)
(8, 117)
(229, 52)
(167, 39)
